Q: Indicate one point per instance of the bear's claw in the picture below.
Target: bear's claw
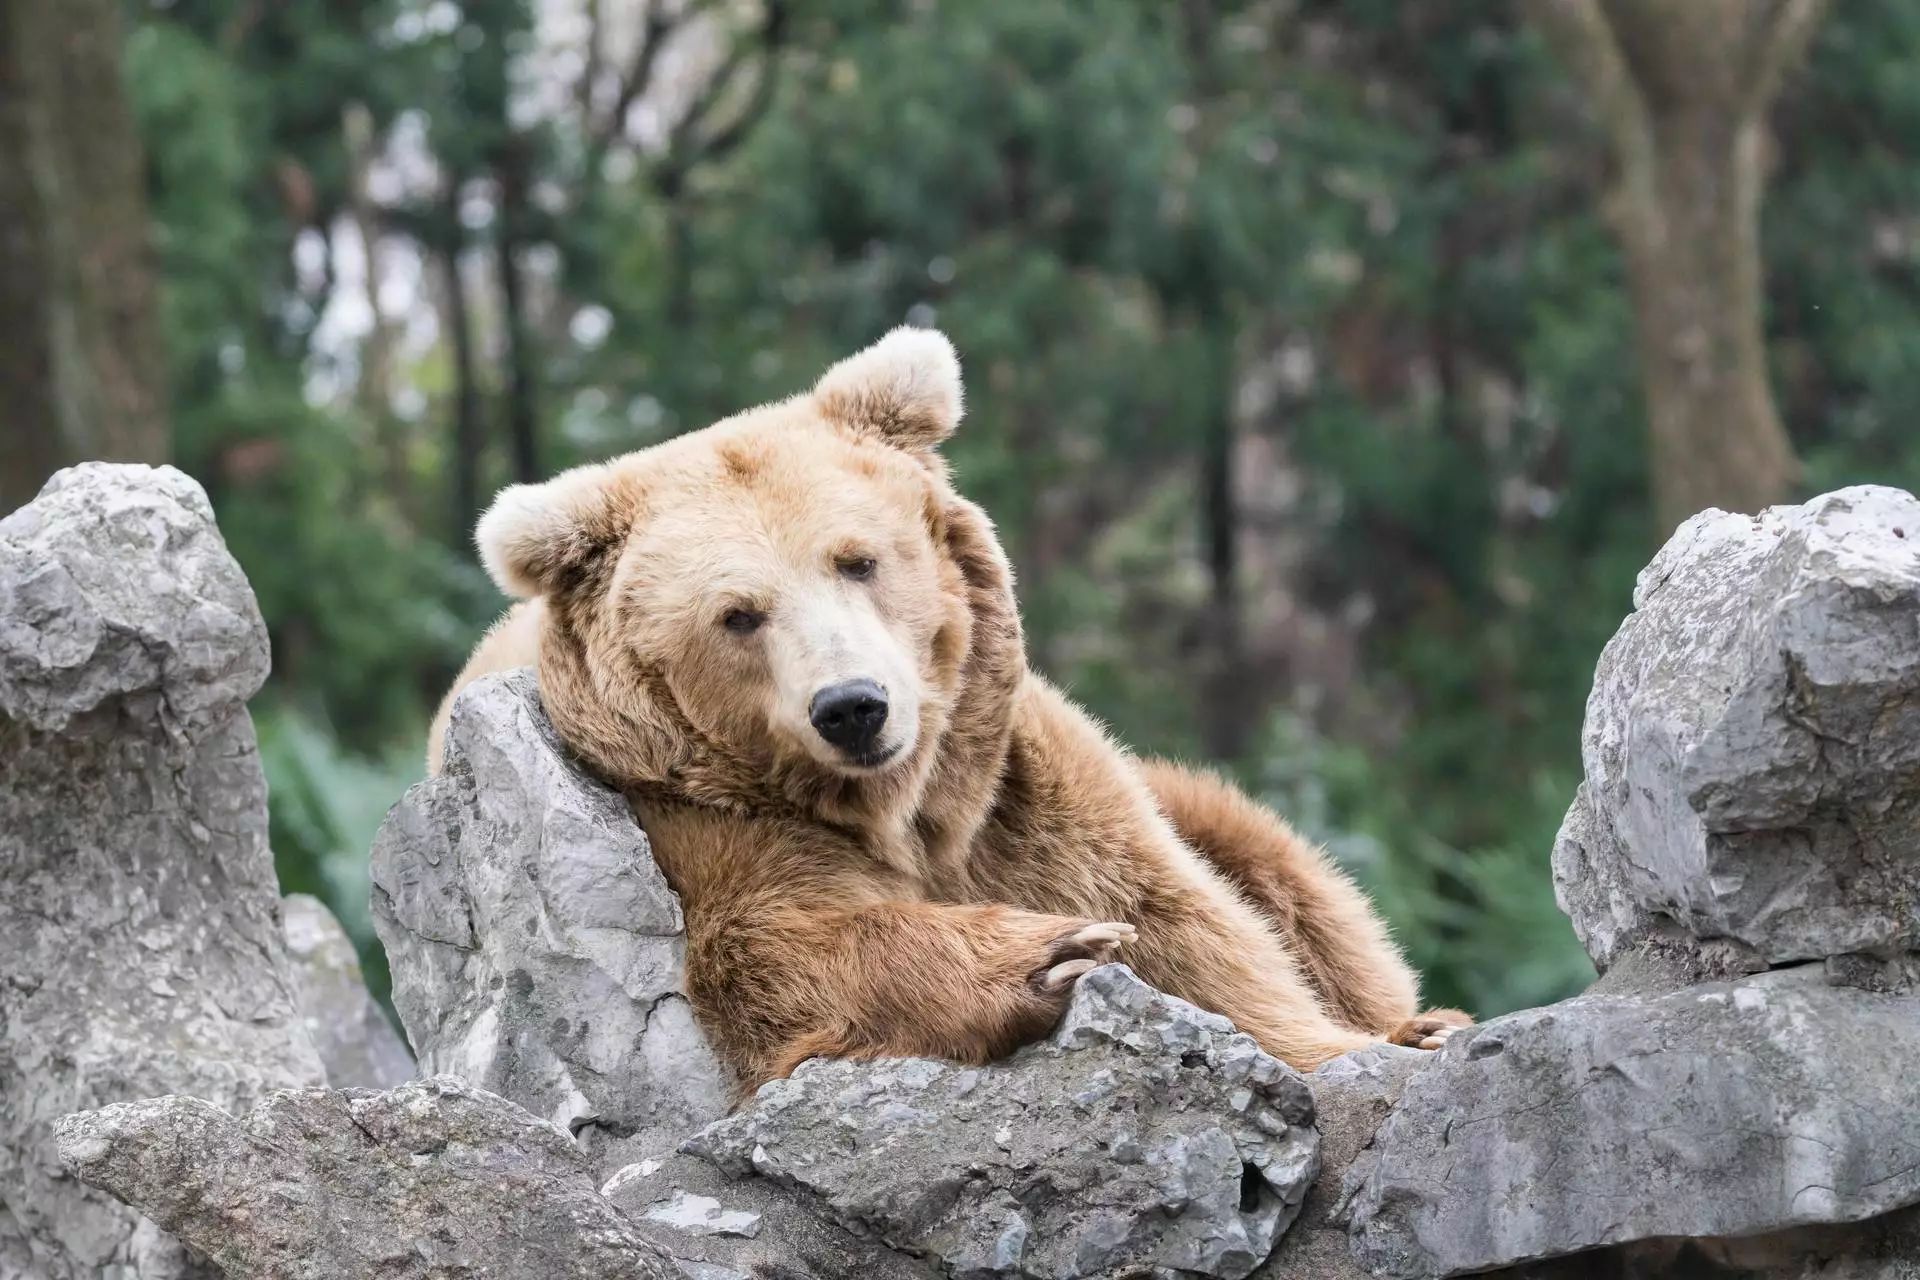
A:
(1431, 1029)
(1062, 976)
(1081, 951)
(1103, 938)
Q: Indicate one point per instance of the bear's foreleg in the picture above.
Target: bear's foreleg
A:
(889, 979)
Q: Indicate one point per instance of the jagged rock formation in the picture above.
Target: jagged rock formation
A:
(536, 949)
(357, 1045)
(1606, 1119)
(1352, 1096)
(1144, 1133)
(1752, 739)
(432, 1179)
(1732, 1099)
(1752, 798)
(719, 1227)
(143, 950)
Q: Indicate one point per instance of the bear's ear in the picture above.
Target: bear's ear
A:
(904, 388)
(540, 538)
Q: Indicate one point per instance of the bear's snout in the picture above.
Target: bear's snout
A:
(850, 715)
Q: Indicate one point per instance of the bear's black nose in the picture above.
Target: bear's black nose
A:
(850, 715)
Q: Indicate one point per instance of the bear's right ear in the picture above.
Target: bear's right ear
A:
(540, 538)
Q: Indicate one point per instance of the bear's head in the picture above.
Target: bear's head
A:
(766, 607)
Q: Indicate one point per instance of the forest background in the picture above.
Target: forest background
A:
(1333, 366)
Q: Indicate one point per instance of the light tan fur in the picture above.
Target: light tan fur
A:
(941, 901)
(510, 643)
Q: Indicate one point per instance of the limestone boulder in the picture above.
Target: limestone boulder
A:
(1730, 1109)
(536, 949)
(1143, 1134)
(144, 952)
(1752, 742)
(432, 1180)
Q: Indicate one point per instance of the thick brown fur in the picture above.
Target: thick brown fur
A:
(943, 901)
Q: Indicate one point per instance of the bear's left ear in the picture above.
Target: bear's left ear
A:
(904, 388)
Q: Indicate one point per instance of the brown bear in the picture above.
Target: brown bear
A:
(795, 648)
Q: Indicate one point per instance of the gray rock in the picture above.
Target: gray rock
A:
(432, 1179)
(119, 595)
(1352, 1096)
(716, 1227)
(703, 1216)
(1145, 1133)
(1662, 966)
(1730, 1109)
(137, 893)
(1883, 974)
(1885, 1248)
(1752, 743)
(536, 949)
(357, 1045)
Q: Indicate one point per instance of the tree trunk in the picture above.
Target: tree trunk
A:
(679, 263)
(523, 421)
(376, 353)
(1693, 267)
(467, 432)
(523, 414)
(1683, 91)
(82, 370)
(1235, 698)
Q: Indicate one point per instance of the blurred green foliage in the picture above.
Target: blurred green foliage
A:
(1352, 253)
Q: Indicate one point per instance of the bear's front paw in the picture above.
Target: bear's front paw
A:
(1080, 951)
(1431, 1029)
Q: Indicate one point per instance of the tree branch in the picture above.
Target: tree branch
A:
(1580, 32)
(638, 78)
(683, 152)
(1724, 56)
(234, 32)
(1780, 45)
(729, 135)
(596, 59)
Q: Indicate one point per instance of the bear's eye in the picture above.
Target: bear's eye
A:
(859, 568)
(742, 622)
